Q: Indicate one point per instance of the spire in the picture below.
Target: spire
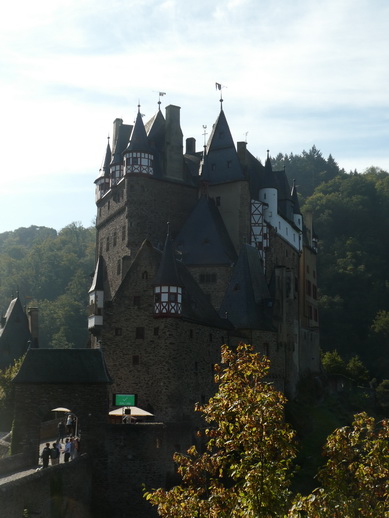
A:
(295, 200)
(167, 272)
(221, 163)
(107, 160)
(270, 180)
(138, 140)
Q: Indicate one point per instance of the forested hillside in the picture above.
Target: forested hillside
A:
(52, 271)
(351, 219)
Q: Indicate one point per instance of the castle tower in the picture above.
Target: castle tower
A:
(167, 285)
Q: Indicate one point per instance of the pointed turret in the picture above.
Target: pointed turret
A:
(167, 284)
(138, 157)
(296, 206)
(15, 334)
(220, 162)
(121, 135)
(247, 301)
(103, 182)
(96, 297)
(268, 192)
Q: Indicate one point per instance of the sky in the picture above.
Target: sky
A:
(294, 74)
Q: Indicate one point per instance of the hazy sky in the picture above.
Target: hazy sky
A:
(296, 74)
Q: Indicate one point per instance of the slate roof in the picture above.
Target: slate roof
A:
(285, 206)
(104, 170)
(269, 177)
(138, 139)
(196, 306)
(295, 199)
(247, 298)
(73, 366)
(221, 163)
(98, 278)
(204, 238)
(14, 333)
(167, 274)
(123, 136)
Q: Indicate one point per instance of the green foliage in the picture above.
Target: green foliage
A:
(6, 394)
(351, 217)
(357, 371)
(52, 272)
(310, 169)
(382, 392)
(245, 468)
(333, 363)
(355, 479)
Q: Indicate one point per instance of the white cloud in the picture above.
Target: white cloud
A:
(296, 74)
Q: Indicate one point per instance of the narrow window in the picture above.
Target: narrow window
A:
(135, 360)
(137, 301)
(119, 267)
(156, 331)
(118, 331)
(140, 333)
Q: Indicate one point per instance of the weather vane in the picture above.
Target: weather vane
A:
(160, 94)
(219, 87)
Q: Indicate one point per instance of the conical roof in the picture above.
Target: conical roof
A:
(138, 140)
(269, 177)
(204, 238)
(221, 163)
(295, 199)
(104, 170)
(98, 277)
(246, 302)
(167, 272)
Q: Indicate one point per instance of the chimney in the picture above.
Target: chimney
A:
(174, 161)
(116, 126)
(33, 323)
(190, 146)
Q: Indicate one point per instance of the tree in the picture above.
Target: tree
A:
(245, 468)
(355, 479)
(333, 363)
(6, 393)
(356, 370)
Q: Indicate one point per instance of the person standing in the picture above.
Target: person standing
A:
(69, 424)
(54, 454)
(61, 430)
(67, 450)
(46, 454)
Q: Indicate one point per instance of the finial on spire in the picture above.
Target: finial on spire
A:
(219, 87)
(160, 94)
(268, 153)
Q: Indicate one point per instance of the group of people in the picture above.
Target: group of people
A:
(66, 437)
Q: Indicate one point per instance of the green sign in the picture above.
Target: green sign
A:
(124, 399)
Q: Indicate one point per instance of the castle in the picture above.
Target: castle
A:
(196, 248)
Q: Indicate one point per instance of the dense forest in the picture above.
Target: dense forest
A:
(52, 270)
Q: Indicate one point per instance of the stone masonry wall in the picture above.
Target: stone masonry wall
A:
(139, 208)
